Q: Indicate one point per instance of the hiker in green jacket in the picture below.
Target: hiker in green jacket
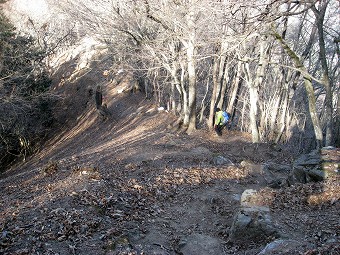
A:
(221, 120)
(218, 126)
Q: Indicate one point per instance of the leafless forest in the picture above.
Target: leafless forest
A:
(274, 65)
(118, 178)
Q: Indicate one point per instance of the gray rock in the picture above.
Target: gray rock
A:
(281, 246)
(298, 175)
(280, 168)
(252, 221)
(200, 152)
(278, 183)
(199, 244)
(248, 198)
(220, 160)
(254, 169)
(274, 175)
(315, 166)
(316, 174)
(311, 159)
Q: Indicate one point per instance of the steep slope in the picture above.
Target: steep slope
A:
(131, 185)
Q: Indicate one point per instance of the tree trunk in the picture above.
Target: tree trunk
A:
(278, 120)
(253, 91)
(223, 75)
(192, 88)
(235, 88)
(203, 103)
(309, 89)
(253, 99)
(185, 111)
(175, 84)
(337, 124)
(224, 83)
(258, 82)
(326, 82)
(215, 92)
(284, 108)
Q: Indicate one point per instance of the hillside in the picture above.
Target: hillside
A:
(133, 185)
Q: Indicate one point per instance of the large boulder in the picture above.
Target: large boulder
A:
(274, 175)
(253, 221)
(316, 166)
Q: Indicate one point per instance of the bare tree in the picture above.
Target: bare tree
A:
(326, 81)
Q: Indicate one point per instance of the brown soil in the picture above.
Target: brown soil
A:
(132, 185)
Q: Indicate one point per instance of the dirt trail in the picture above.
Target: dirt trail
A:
(130, 185)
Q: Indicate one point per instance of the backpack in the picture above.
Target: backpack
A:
(225, 117)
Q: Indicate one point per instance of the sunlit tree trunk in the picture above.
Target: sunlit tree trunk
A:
(253, 99)
(175, 83)
(259, 80)
(282, 117)
(224, 83)
(185, 111)
(191, 72)
(215, 92)
(320, 15)
(203, 103)
(253, 86)
(309, 89)
(235, 87)
(337, 123)
(223, 75)
(278, 116)
(192, 88)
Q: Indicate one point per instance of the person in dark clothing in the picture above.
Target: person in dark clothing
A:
(99, 97)
(104, 113)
